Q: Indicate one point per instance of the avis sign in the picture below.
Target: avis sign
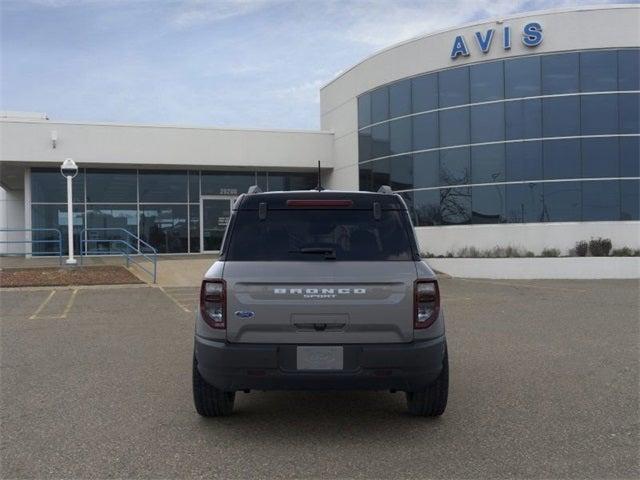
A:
(531, 37)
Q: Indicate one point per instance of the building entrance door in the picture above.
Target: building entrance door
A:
(214, 216)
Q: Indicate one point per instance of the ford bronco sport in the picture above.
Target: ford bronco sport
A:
(320, 290)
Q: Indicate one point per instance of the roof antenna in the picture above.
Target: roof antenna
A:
(319, 187)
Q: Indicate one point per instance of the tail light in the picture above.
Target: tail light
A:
(213, 303)
(427, 303)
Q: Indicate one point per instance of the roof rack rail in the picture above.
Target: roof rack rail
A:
(254, 189)
(385, 189)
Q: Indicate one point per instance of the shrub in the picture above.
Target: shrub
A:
(427, 255)
(625, 252)
(581, 248)
(550, 252)
(600, 247)
(529, 253)
(469, 252)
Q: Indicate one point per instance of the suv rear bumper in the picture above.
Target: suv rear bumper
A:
(400, 366)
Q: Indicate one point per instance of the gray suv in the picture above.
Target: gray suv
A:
(320, 290)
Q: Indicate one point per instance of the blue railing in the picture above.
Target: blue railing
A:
(132, 248)
(57, 241)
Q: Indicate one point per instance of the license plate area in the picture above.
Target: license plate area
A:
(319, 358)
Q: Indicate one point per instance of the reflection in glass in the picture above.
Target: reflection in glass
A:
(561, 116)
(598, 71)
(454, 166)
(600, 200)
(487, 123)
(454, 127)
(488, 164)
(487, 81)
(629, 113)
(562, 202)
(400, 133)
(292, 181)
(523, 161)
(560, 73)
(380, 141)
(522, 77)
(54, 216)
(194, 186)
(488, 204)
(524, 203)
(163, 186)
(400, 98)
(455, 205)
(629, 69)
(426, 169)
(114, 218)
(401, 172)
(523, 119)
(425, 131)
(380, 173)
(379, 104)
(424, 93)
(364, 110)
(365, 174)
(117, 186)
(600, 157)
(599, 114)
(49, 186)
(364, 145)
(630, 157)
(561, 159)
(453, 87)
(630, 199)
(426, 208)
(194, 228)
(215, 217)
(165, 227)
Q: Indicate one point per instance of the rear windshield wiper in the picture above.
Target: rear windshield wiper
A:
(329, 253)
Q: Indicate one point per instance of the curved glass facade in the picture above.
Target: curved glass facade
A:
(545, 138)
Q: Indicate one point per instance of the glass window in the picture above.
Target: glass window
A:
(523, 161)
(426, 208)
(380, 141)
(454, 127)
(524, 203)
(523, 119)
(630, 156)
(487, 164)
(364, 145)
(194, 228)
(455, 205)
(561, 116)
(163, 186)
(400, 133)
(117, 186)
(487, 123)
(630, 198)
(561, 159)
(562, 201)
(522, 77)
(629, 69)
(599, 71)
(425, 131)
(54, 216)
(226, 183)
(424, 93)
(292, 181)
(114, 218)
(165, 227)
(599, 114)
(364, 110)
(487, 81)
(600, 200)
(194, 186)
(401, 172)
(49, 186)
(379, 104)
(400, 98)
(629, 113)
(453, 86)
(380, 173)
(488, 204)
(426, 169)
(454, 166)
(560, 73)
(365, 174)
(600, 157)
(261, 181)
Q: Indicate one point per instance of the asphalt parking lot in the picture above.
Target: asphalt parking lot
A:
(96, 383)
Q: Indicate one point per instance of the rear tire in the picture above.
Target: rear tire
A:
(432, 401)
(210, 401)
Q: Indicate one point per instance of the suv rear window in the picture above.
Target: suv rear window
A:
(308, 235)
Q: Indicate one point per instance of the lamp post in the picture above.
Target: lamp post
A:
(69, 169)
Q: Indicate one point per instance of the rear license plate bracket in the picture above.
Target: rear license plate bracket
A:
(320, 358)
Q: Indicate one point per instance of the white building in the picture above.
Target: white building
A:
(520, 131)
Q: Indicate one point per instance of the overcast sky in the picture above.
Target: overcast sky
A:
(245, 63)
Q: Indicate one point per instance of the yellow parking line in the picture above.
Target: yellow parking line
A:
(42, 305)
(64, 313)
(173, 299)
(69, 304)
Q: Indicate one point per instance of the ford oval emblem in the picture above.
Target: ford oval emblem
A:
(245, 314)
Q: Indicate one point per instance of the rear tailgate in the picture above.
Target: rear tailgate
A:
(320, 302)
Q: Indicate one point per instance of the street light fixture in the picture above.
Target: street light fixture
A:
(69, 169)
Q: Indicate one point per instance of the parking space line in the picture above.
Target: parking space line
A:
(64, 313)
(42, 305)
(174, 300)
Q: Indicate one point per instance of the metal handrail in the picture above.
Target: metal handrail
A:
(32, 241)
(150, 256)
